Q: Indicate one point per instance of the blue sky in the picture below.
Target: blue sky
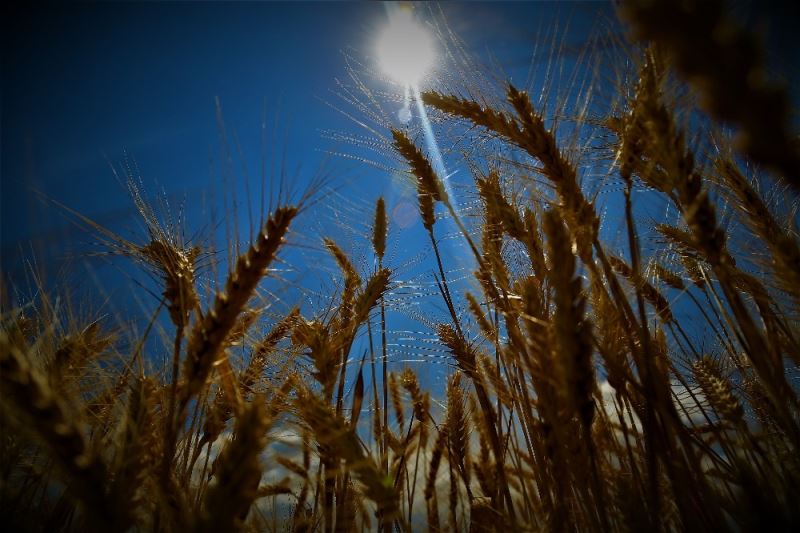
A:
(90, 85)
(86, 84)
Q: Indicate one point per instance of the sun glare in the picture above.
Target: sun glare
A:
(406, 50)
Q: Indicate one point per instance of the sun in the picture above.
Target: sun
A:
(405, 49)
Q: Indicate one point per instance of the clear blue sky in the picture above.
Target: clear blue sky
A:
(85, 84)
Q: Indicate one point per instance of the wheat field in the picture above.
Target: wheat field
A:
(603, 370)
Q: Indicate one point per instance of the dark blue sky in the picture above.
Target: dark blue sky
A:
(88, 84)
(93, 84)
(85, 84)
